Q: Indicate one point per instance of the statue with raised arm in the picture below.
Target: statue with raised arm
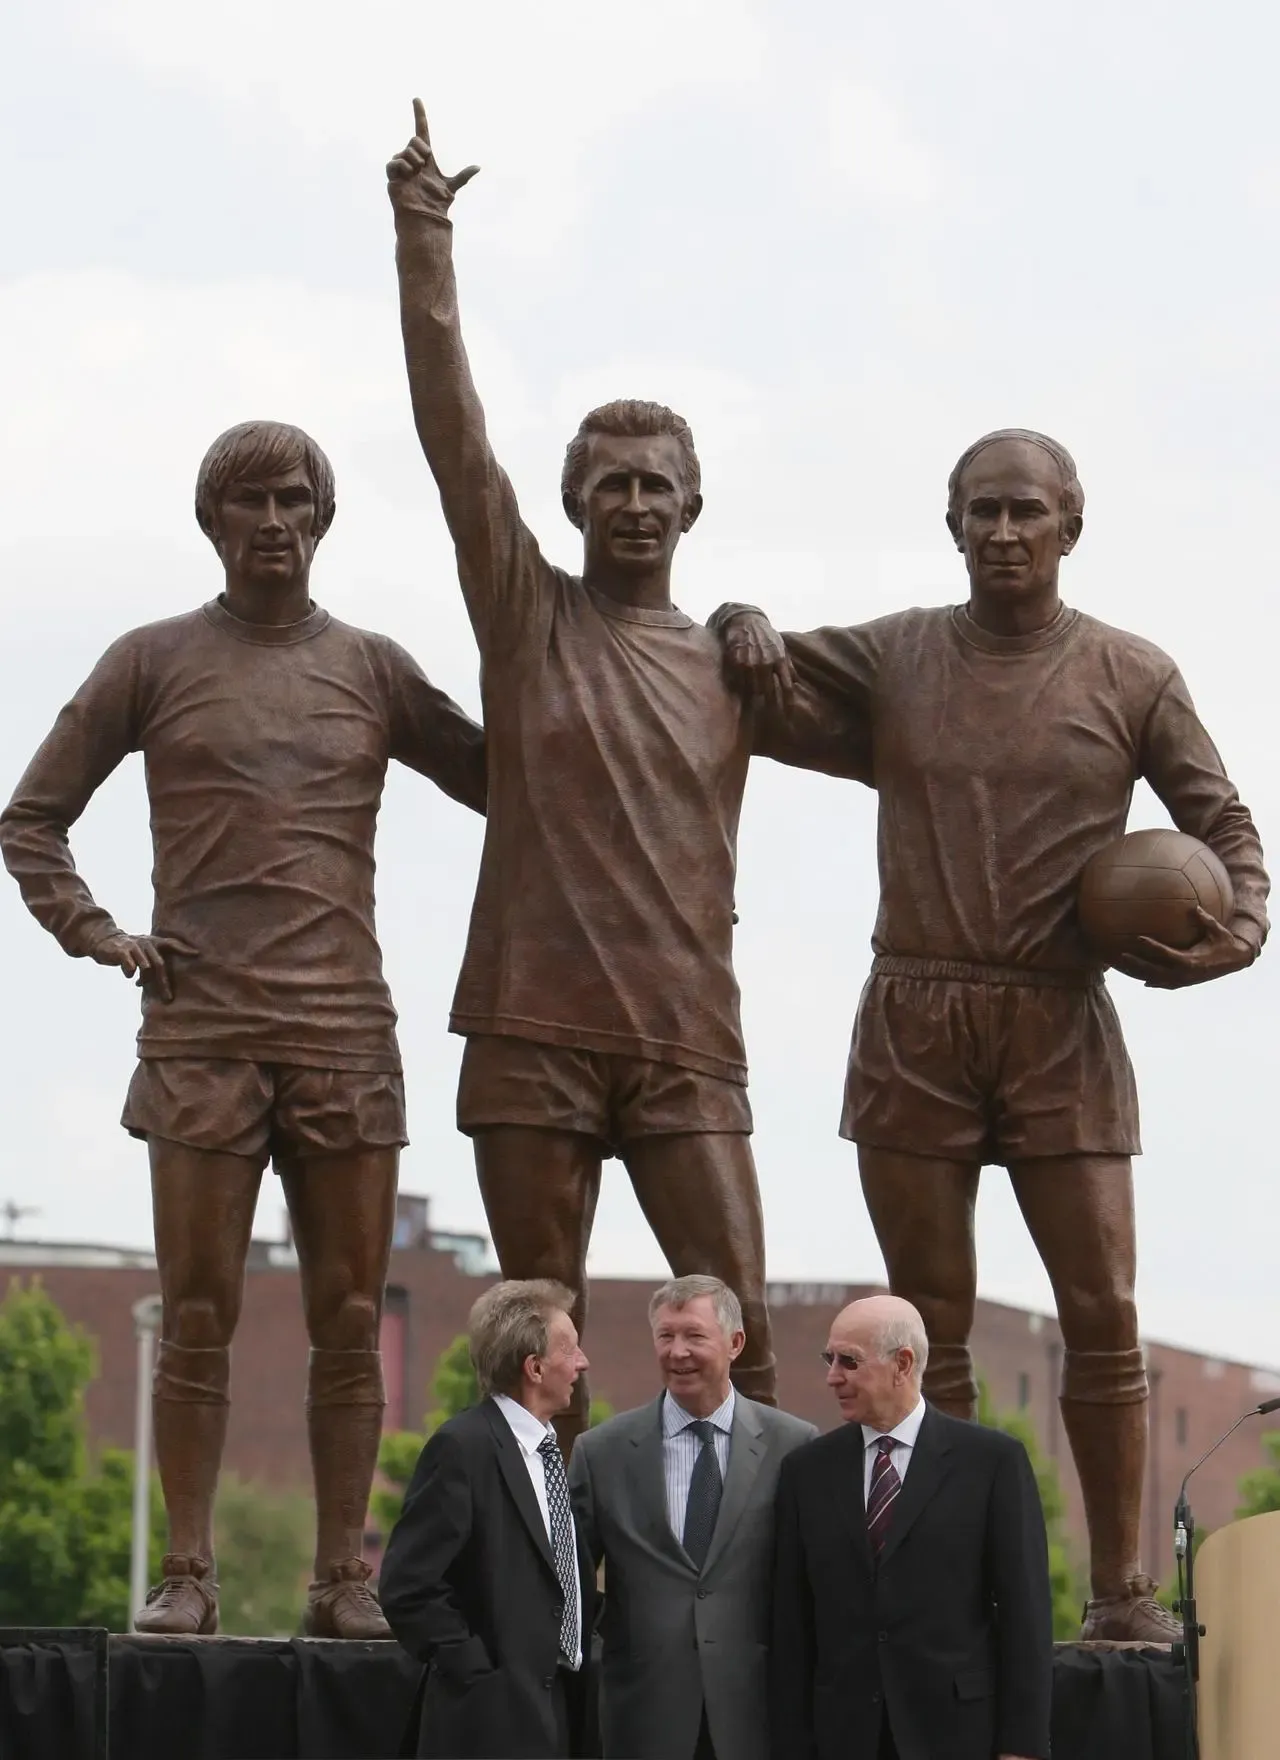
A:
(1007, 735)
(597, 995)
(268, 1032)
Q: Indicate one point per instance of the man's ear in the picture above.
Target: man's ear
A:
(572, 508)
(1069, 532)
(692, 508)
(956, 530)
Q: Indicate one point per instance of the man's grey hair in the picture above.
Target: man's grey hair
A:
(680, 1291)
(903, 1332)
(508, 1325)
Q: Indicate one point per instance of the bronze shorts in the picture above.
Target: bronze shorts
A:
(988, 1064)
(593, 1093)
(264, 1111)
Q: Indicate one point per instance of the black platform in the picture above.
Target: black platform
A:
(268, 1699)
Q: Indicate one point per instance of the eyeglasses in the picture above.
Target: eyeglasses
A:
(842, 1360)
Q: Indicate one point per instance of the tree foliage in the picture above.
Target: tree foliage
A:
(1260, 1490)
(66, 1518)
(66, 1522)
(454, 1389)
(1064, 1578)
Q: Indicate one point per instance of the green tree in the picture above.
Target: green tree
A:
(1064, 1579)
(454, 1388)
(65, 1521)
(1260, 1490)
(264, 1541)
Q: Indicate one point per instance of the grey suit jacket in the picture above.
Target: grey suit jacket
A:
(675, 1638)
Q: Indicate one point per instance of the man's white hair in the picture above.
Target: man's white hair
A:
(903, 1331)
(683, 1290)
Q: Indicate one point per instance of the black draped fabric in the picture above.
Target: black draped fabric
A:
(300, 1699)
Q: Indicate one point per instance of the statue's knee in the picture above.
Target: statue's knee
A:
(1099, 1320)
(200, 1322)
(349, 1325)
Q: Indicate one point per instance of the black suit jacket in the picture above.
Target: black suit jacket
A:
(469, 1587)
(950, 1631)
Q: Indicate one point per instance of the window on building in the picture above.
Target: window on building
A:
(1180, 1426)
(1024, 1392)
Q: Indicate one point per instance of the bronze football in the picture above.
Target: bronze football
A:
(1149, 884)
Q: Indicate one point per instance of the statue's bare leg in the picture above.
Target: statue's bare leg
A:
(921, 1208)
(699, 1194)
(540, 1189)
(203, 1203)
(343, 1209)
(1079, 1210)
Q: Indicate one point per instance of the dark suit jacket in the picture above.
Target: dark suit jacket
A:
(469, 1587)
(950, 1631)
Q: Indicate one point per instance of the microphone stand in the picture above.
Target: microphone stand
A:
(1184, 1534)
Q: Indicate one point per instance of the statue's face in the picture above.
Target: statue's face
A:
(633, 507)
(1010, 526)
(266, 528)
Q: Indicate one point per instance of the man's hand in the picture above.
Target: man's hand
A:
(756, 661)
(415, 181)
(1217, 953)
(146, 955)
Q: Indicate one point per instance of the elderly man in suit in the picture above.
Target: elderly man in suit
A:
(677, 1499)
(485, 1577)
(911, 1613)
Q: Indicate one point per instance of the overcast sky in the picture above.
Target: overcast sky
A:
(843, 241)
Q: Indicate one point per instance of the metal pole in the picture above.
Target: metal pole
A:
(146, 1321)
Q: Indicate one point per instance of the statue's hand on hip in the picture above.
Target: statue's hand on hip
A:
(756, 661)
(1218, 952)
(414, 180)
(145, 957)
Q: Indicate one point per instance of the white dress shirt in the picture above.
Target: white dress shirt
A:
(530, 1433)
(904, 1444)
(680, 1451)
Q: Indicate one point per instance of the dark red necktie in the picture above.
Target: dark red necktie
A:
(885, 1486)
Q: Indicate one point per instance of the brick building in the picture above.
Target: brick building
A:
(435, 1277)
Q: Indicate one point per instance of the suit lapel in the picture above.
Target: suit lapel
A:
(649, 1485)
(512, 1465)
(746, 1451)
(929, 1465)
(846, 1466)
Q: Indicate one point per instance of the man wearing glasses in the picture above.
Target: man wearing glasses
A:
(911, 1603)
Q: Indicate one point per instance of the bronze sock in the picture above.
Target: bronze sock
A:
(1104, 1412)
(948, 1380)
(189, 1394)
(344, 1425)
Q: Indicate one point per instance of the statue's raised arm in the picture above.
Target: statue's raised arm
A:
(497, 555)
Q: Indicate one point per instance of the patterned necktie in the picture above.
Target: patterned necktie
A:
(885, 1486)
(705, 1490)
(562, 1545)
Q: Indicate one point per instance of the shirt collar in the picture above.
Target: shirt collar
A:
(529, 1432)
(906, 1432)
(675, 1418)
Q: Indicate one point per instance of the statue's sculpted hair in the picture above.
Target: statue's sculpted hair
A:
(253, 450)
(1072, 494)
(629, 418)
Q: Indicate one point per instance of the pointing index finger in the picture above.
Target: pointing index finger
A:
(420, 121)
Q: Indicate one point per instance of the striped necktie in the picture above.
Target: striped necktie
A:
(563, 1546)
(885, 1486)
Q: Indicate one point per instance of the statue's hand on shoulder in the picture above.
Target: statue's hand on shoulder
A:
(415, 182)
(146, 956)
(1217, 953)
(756, 661)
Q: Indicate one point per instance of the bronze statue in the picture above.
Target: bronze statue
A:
(268, 1031)
(1007, 735)
(597, 994)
